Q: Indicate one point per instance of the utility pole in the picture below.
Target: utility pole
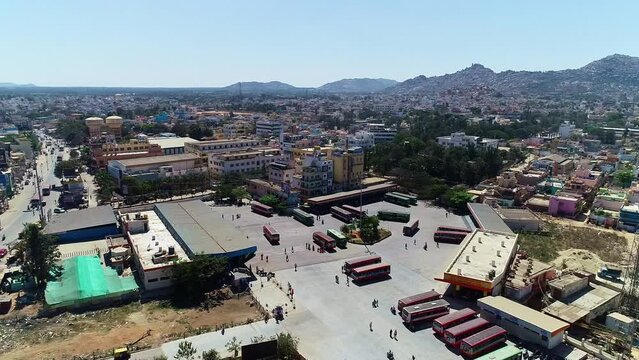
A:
(42, 219)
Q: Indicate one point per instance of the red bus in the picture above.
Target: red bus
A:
(349, 265)
(369, 272)
(354, 210)
(456, 334)
(410, 230)
(259, 208)
(324, 241)
(418, 299)
(341, 214)
(270, 233)
(454, 319)
(453, 228)
(453, 237)
(426, 311)
(483, 341)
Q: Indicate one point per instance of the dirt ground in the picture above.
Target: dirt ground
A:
(97, 333)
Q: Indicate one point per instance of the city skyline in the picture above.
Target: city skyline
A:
(201, 44)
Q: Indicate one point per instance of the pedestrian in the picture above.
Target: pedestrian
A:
(370, 325)
(284, 251)
(405, 246)
(222, 331)
(437, 243)
(336, 279)
(390, 333)
(426, 245)
(266, 258)
(292, 250)
(262, 257)
(322, 221)
(413, 357)
(232, 217)
(373, 303)
(414, 241)
(446, 213)
(295, 267)
(313, 248)
(286, 258)
(222, 216)
(395, 334)
(348, 281)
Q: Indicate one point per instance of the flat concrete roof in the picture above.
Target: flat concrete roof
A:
(162, 159)
(524, 313)
(86, 248)
(487, 218)
(81, 219)
(148, 243)
(171, 142)
(201, 231)
(517, 214)
(351, 194)
(479, 250)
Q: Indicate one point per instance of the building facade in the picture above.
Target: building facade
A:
(268, 128)
(220, 146)
(348, 167)
(460, 139)
(158, 167)
(316, 176)
(243, 161)
(103, 153)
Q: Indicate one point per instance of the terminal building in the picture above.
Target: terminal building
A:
(480, 266)
(521, 321)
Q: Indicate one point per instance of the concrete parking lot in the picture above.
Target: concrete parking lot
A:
(332, 320)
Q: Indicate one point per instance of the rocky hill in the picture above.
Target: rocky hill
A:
(361, 85)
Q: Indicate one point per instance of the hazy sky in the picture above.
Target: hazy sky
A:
(301, 42)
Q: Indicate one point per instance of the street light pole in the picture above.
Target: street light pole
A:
(39, 192)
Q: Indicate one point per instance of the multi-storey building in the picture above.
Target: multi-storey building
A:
(316, 175)
(381, 133)
(237, 129)
(348, 167)
(134, 149)
(460, 139)
(267, 128)
(243, 161)
(363, 139)
(220, 146)
(280, 173)
(158, 167)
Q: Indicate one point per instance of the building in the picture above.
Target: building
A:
(103, 153)
(621, 323)
(83, 225)
(243, 161)
(171, 145)
(238, 128)
(609, 199)
(522, 321)
(268, 128)
(460, 139)
(555, 164)
(566, 129)
(158, 167)
(486, 218)
(564, 206)
(381, 133)
(279, 173)
(220, 146)
(527, 277)
(112, 125)
(481, 265)
(348, 168)
(316, 177)
(363, 139)
(629, 217)
(520, 219)
(258, 188)
(155, 249)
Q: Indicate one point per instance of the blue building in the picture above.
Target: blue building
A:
(84, 225)
(162, 117)
(629, 216)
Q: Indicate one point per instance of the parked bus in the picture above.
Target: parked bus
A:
(324, 241)
(349, 265)
(272, 235)
(446, 322)
(354, 211)
(393, 216)
(418, 299)
(451, 237)
(412, 199)
(410, 230)
(425, 311)
(341, 214)
(303, 217)
(369, 272)
(338, 236)
(453, 228)
(396, 199)
(483, 341)
(259, 208)
(456, 334)
(507, 352)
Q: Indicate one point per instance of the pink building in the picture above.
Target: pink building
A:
(563, 206)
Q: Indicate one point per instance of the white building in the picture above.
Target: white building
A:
(381, 133)
(566, 129)
(267, 128)
(363, 139)
(237, 129)
(460, 139)
(220, 146)
(243, 161)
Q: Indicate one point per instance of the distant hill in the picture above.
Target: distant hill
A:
(12, 85)
(361, 85)
(254, 87)
(613, 76)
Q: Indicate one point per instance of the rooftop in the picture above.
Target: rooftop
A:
(163, 159)
(576, 306)
(158, 238)
(81, 219)
(517, 214)
(524, 313)
(353, 193)
(172, 142)
(487, 219)
(202, 231)
(475, 258)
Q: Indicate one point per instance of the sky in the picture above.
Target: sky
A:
(200, 43)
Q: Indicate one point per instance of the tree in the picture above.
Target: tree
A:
(234, 346)
(369, 229)
(624, 177)
(457, 197)
(66, 166)
(194, 278)
(239, 193)
(74, 154)
(106, 184)
(287, 346)
(40, 253)
(186, 351)
(211, 355)
(270, 200)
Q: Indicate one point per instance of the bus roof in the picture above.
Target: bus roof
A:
(456, 315)
(420, 297)
(463, 327)
(270, 229)
(425, 306)
(393, 212)
(259, 204)
(505, 352)
(362, 259)
(369, 267)
(480, 336)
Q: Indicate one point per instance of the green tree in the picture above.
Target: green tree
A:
(457, 197)
(624, 177)
(369, 229)
(41, 255)
(73, 132)
(106, 186)
(270, 200)
(287, 346)
(64, 166)
(186, 351)
(211, 355)
(234, 346)
(194, 278)
(240, 192)
(74, 154)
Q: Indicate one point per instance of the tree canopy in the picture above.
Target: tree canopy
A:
(194, 278)
(41, 255)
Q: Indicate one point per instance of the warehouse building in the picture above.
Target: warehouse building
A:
(481, 265)
(521, 321)
(83, 225)
(486, 218)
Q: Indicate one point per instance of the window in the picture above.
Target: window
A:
(165, 278)
(152, 280)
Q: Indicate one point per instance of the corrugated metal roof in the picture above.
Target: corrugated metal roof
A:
(81, 219)
(523, 313)
(487, 218)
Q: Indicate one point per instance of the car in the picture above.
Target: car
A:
(59, 211)
(3, 252)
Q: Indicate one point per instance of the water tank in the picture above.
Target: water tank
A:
(94, 120)
(114, 121)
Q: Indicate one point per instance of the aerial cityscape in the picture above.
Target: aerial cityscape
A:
(297, 181)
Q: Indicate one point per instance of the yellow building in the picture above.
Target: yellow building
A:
(348, 167)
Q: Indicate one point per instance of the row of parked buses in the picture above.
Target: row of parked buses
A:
(367, 268)
(462, 329)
